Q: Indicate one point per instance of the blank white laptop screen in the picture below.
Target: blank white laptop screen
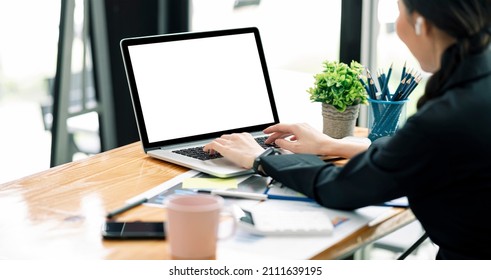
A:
(217, 82)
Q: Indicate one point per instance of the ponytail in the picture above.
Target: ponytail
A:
(450, 59)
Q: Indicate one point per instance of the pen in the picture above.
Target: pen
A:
(292, 198)
(393, 204)
(236, 194)
(126, 208)
(255, 196)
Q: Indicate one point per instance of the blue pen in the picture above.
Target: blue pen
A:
(394, 204)
(284, 197)
(254, 196)
(291, 198)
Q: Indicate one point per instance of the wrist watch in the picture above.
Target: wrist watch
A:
(256, 166)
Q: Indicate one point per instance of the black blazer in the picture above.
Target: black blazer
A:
(440, 160)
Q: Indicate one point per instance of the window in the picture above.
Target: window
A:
(29, 32)
(391, 50)
(297, 35)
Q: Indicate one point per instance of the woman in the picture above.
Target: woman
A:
(440, 159)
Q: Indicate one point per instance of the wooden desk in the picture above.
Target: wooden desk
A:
(58, 213)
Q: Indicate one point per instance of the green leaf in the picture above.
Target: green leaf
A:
(339, 85)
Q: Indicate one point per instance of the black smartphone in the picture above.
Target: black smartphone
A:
(133, 230)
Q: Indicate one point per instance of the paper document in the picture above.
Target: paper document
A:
(209, 183)
(247, 246)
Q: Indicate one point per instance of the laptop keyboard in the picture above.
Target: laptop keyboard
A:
(198, 153)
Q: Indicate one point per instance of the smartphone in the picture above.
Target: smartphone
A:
(133, 230)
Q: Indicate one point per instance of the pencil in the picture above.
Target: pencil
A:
(403, 71)
(373, 88)
(364, 84)
(411, 88)
(389, 72)
(381, 82)
(385, 91)
(398, 90)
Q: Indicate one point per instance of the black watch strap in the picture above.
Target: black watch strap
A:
(256, 166)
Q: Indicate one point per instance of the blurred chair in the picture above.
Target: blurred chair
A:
(405, 242)
(83, 125)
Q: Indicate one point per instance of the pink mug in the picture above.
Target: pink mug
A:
(192, 225)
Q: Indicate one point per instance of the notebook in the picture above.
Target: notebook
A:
(190, 88)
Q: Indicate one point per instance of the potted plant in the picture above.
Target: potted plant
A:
(340, 91)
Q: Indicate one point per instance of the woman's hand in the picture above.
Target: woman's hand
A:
(240, 148)
(302, 138)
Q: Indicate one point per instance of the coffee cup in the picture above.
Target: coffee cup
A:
(192, 225)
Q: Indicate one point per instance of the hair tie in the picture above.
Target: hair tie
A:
(474, 43)
(485, 31)
(476, 36)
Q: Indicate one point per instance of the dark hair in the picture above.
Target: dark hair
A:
(468, 21)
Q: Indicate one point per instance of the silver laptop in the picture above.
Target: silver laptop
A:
(190, 88)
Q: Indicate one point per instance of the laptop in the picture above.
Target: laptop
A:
(190, 88)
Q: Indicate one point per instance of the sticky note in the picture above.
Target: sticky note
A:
(209, 183)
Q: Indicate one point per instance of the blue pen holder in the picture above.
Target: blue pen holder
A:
(385, 117)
